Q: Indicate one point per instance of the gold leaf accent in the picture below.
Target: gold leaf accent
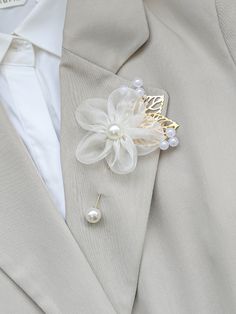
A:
(154, 104)
(153, 111)
(165, 122)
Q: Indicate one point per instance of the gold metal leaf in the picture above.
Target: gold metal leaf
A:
(165, 122)
(154, 104)
(153, 110)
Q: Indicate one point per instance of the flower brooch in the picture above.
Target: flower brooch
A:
(127, 125)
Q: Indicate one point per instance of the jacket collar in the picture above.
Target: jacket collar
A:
(106, 33)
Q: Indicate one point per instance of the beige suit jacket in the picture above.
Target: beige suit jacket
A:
(167, 241)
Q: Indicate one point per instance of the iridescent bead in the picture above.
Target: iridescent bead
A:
(137, 83)
(164, 145)
(170, 132)
(140, 91)
(173, 141)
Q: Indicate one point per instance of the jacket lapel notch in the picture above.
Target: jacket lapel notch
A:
(114, 31)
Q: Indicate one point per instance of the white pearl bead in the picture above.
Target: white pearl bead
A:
(137, 82)
(173, 141)
(93, 215)
(164, 145)
(170, 132)
(114, 132)
(140, 91)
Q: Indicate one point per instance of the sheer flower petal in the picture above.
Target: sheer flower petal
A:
(123, 158)
(93, 147)
(121, 103)
(135, 120)
(114, 155)
(92, 115)
(148, 134)
(146, 140)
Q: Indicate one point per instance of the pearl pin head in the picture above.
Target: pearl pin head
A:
(114, 132)
(93, 215)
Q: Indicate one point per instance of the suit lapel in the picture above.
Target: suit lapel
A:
(98, 39)
(37, 250)
(113, 246)
(105, 32)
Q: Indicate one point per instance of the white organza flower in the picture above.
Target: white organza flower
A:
(115, 131)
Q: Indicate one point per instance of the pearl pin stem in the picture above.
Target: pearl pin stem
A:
(98, 200)
(93, 214)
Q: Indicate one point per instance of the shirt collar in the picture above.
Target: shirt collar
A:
(43, 27)
(5, 41)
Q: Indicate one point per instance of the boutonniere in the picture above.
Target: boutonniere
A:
(126, 125)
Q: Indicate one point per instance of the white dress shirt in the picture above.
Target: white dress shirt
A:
(30, 50)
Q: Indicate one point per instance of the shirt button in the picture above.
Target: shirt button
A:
(93, 215)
